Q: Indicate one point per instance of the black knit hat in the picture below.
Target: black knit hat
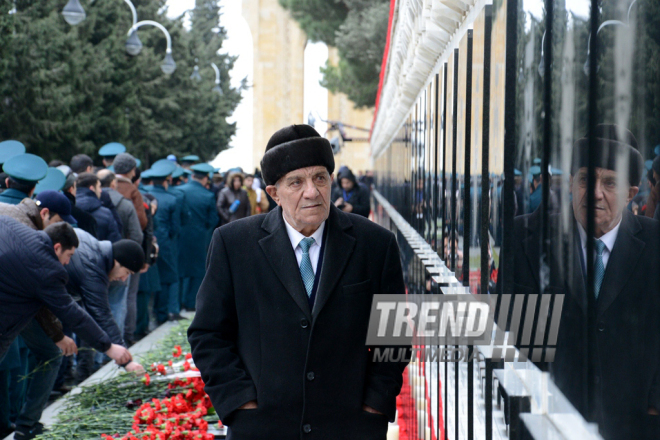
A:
(292, 148)
(129, 254)
(615, 145)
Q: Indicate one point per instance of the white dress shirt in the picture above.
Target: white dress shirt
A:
(314, 250)
(608, 239)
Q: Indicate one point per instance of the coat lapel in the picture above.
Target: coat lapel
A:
(577, 285)
(338, 249)
(282, 258)
(622, 262)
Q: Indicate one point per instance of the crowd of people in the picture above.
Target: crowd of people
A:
(94, 257)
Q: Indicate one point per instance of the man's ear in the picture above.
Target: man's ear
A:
(58, 248)
(7, 182)
(632, 192)
(44, 214)
(272, 192)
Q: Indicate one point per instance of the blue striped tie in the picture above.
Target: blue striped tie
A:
(306, 269)
(599, 267)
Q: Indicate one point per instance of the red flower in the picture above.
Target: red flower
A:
(177, 351)
(188, 356)
(146, 379)
(186, 366)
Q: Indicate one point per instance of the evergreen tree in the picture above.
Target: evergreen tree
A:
(70, 89)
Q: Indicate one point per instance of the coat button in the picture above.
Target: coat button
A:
(310, 375)
(601, 326)
(307, 428)
(304, 323)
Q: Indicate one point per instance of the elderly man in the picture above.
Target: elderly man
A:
(282, 314)
(626, 355)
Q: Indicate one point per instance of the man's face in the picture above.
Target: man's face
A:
(63, 255)
(119, 272)
(612, 195)
(304, 196)
(49, 217)
(346, 184)
(248, 182)
(236, 182)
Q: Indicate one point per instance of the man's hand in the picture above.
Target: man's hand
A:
(371, 410)
(119, 354)
(134, 367)
(339, 201)
(144, 268)
(252, 404)
(68, 346)
(348, 207)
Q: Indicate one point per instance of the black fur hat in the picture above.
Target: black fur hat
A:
(616, 148)
(292, 148)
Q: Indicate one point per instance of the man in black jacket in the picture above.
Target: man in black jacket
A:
(282, 314)
(351, 196)
(88, 198)
(626, 355)
(32, 274)
(94, 265)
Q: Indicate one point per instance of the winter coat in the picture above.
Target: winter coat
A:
(128, 189)
(106, 226)
(254, 336)
(88, 280)
(85, 220)
(626, 329)
(167, 226)
(257, 207)
(127, 215)
(31, 276)
(27, 213)
(358, 197)
(195, 236)
(226, 198)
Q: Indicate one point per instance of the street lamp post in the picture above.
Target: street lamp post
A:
(168, 66)
(74, 13)
(197, 77)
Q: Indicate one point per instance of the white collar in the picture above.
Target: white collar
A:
(296, 237)
(608, 238)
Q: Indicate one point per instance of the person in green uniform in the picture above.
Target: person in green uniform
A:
(23, 171)
(8, 149)
(167, 225)
(108, 153)
(196, 234)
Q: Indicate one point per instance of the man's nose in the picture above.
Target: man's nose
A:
(598, 190)
(310, 190)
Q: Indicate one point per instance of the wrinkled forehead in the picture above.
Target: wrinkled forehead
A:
(600, 173)
(305, 172)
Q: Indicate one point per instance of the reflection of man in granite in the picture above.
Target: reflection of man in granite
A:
(626, 284)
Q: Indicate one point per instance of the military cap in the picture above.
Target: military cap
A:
(162, 169)
(202, 168)
(26, 167)
(171, 157)
(190, 158)
(53, 181)
(537, 161)
(556, 171)
(112, 149)
(187, 172)
(517, 172)
(178, 172)
(146, 174)
(138, 163)
(9, 149)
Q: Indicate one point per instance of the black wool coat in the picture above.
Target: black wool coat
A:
(627, 329)
(255, 338)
